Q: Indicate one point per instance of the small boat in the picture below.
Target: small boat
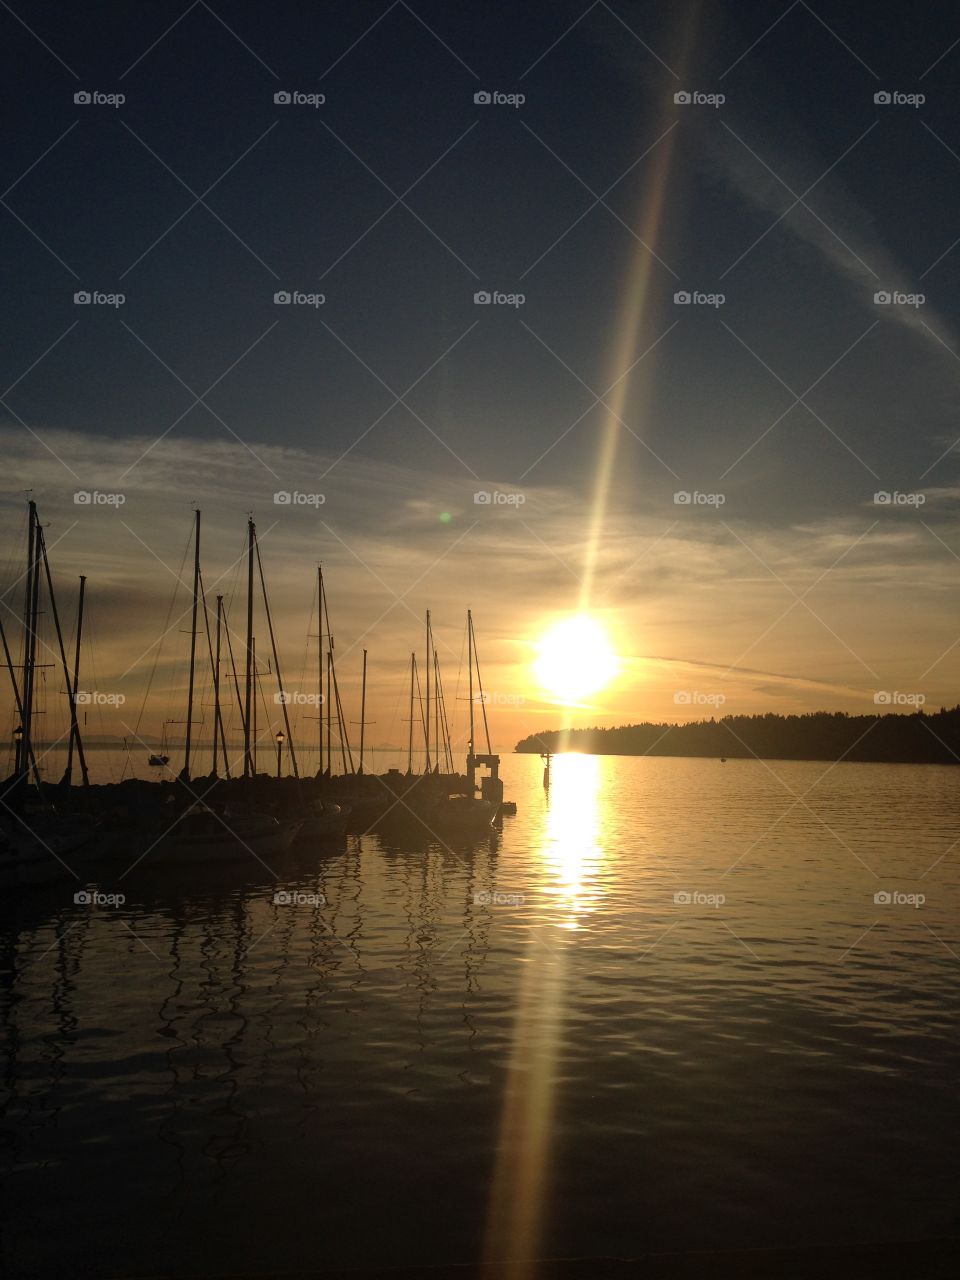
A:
(204, 834)
(508, 807)
(160, 758)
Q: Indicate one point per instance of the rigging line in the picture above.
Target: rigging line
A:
(342, 725)
(166, 627)
(91, 649)
(276, 660)
(217, 715)
(71, 692)
(423, 723)
(233, 665)
(456, 689)
(483, 701)
(447, 752)
(306, 656)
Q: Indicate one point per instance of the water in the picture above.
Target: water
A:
(409, 1072)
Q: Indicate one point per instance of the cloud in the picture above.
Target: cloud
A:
(832, 223)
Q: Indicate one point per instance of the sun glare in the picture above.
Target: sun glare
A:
(575, 659)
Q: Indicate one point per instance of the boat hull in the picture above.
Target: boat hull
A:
(225, 845)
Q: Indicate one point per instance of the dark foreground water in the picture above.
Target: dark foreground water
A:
(662, 1011)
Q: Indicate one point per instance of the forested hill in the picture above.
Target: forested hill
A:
(918, 738)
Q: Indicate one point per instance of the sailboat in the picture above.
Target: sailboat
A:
(211, 830)
(470, 812)
(162, 757)
(436, 802)
(34, 837)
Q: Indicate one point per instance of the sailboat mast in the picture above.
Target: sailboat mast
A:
(363, 708)
(253, 741)
(329, 715)
(320, 657)
(216, 691)
(185, 774)
(29, 637)
(426, 732)
(248, 762)
(413, 667)
(76, 677)
(470, 667)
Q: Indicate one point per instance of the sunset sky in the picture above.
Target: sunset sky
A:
(783, 585)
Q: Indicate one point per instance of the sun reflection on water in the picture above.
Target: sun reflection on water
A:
(572, 852)
(571, 855)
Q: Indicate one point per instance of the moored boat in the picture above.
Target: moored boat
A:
(38, 853)
(204, 834)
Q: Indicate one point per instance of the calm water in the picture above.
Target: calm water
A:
(405, 1071)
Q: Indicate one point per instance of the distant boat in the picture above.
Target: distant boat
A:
(159, 758)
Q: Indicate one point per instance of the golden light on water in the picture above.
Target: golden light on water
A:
(575, 658)
(571, 854)
(572, 850)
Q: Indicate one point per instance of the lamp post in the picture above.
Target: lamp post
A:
(280, 741)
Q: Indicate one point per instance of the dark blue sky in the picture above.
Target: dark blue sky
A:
(498, 199)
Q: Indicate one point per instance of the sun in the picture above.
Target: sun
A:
(575, 658)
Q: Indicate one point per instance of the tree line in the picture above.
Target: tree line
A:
(917, 738)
